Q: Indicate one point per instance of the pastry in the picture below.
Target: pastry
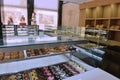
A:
(117, 27)
(101, 26)
(21, 55)
(32, 52)
(13, 77)
(14, 55)
(7, 56)
(44, 51)
(112, 28)
(97, 26)
(1, 56)
(4, 78)
(28, 52)
(39, 52)
(33, 75)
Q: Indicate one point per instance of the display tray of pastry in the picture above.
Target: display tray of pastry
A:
(13, 55)
(40, 74)
(34, 52)
(18, 76)
(46, 51)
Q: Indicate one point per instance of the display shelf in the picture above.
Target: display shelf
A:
(90, 19)
(114, 10)
(106, 11)
(115, 30)
(102, 18)
(102, 24)
(99, 12)
(95, 74)
(90, 23)
(115, 18)
(106, 16)
(89, 53)
(91, 13)
(118, 14)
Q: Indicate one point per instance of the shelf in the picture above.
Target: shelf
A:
(107, 43)
(114, 30)
(102, 18)
(114, 18)
(28, 42)
(18, 66)
(90, 18)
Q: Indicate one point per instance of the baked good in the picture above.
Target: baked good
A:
(26, 75)
(7, 56)
(14, 55)
(33, 75)
(39, 52)
(112, 28)
(97, 26)
(28, 52)
(4, 78)
(101, 26)
(117, 27)
(12, 77)
(1, 56)
(44, 50)
(32, 52)
(21, 55)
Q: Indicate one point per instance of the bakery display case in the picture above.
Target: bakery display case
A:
(33, 30)
(22, 30)
(8, 30)
(53, 72)
(46, 57)
(105, 15)
(39, 52)
(98, 35)
(19, 30)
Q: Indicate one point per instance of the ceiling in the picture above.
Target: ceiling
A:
(76, 1)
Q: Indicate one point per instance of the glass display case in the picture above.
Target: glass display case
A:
(29, 57)
(43, 51)
(19, 30)
(97, 35)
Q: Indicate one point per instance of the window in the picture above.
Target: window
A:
(14, 9)
(47, 13)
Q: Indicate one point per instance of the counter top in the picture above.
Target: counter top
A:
(95, 74)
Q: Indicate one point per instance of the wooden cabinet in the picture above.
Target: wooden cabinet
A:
(70, 14)
(103, 14)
